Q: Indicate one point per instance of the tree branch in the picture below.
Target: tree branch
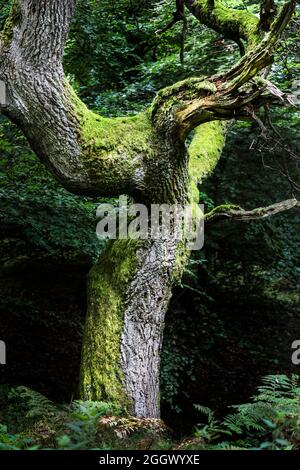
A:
(38, 28)
(235, 94)
(231, 23)
(233, 213)
(88, 154)
(177, 16)
(268, 10)
(262, 55)
(92, 155)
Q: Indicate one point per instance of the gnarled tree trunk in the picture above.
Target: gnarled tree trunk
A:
(143, 156)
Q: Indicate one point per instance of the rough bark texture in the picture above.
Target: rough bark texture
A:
(129, 290)
(145, 308)
(143, 156)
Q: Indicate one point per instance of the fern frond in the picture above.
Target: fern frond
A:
(38, 405)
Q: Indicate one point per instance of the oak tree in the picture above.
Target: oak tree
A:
(146, 157)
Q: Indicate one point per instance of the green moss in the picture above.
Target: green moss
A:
(193, 83)
(111, 134)
(182, 256)
(204, 152)
(113, 147)
(194, 192)
(101, 375)
(221, 208)
(13, 20)
(231, 22)
(175, 96)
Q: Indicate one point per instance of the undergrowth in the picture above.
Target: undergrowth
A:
(271, 420)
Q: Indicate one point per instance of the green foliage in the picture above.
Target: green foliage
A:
(285, 71)
(21, 407)
(271, 421)
(262, 251)
(35, 210)
(5, 6)
(35, 404)
(130, 62)
(80, 425)
(10, 441)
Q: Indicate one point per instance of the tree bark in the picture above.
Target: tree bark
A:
(144, 156)
(129, 291)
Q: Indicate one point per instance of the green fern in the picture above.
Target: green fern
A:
(248, 416)
(270, 421)
(205, 410)
(37, 405)
(213, 429)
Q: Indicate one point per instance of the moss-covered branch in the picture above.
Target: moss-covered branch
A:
(256, 60)
(231, 23)
(225, 97)
(231, 95)
(231, 212)
(92, 155)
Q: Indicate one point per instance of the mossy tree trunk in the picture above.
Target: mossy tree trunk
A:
(144, 156)
(128, 290)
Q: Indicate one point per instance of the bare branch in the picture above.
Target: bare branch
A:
(178, 16)
(268, 12)
(182, 37)
(232, 213)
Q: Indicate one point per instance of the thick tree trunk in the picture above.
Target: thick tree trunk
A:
(128, 293)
